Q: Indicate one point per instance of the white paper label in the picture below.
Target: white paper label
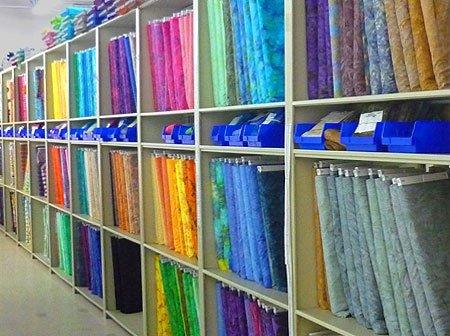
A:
(269, 118)
(333, 117)
(368, 121)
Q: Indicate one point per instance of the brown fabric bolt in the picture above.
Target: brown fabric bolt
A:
(321, 284)
(406, 36)
(435, 15)
(401, 75)
(421, 46)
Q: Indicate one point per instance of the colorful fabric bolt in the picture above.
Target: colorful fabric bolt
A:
(172, 77)
(64, 237)
(58, 156)
(248, 230)
(57, 93)
(244, 38)
(124, 179)
(85, 79)
(177, 228)
(122, 73)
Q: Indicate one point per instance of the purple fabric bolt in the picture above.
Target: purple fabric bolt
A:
(312, 48)
(256, 318)
(248, 315)
(325, 82)
(240, 310)
(280, 324)
(359, 75)
(346, 26)
(267, 323)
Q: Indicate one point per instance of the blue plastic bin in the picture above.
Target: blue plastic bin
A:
(417, 137)
(22, 132)
(362, 143)
(218, 135)
(312, 143)
(9, 132)
(171, 137)
(270, 136)
(186, 134)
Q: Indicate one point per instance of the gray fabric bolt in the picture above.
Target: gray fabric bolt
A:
(376, 317)
(384, 275)
(338, 240)
(413, 272)
(385, 205)
(427, 213)
(351, 271)
(338, 302)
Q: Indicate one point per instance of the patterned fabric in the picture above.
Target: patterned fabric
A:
(372, 47)
(162, 314)
(347, 43)
(398, 61)
(325, 79)
(387, 217)
(359, 75)
(429, 203)
(435, 15)
(406, 36)
(413, 272)
(384, 51)
(367, 250)
(334, 10)
(338, 302)
(423, 56)
(312, 48)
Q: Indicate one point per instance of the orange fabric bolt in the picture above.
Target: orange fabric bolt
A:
(192, 200)
(175, 207)
(421, 46)
(436, 25)
(406, 36)
(167, 205)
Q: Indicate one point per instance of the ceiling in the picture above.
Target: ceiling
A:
(27, 4)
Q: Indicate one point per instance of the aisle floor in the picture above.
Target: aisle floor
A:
(35, 303)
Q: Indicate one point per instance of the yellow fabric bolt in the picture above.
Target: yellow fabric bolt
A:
(175, 207)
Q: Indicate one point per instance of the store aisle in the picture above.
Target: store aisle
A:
(34, 302)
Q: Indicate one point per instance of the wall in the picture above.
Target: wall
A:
(19, 28)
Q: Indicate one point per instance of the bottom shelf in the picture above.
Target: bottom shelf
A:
(42, 258)
(94, 299)
(62, 275)
(133, 323)
(342, 326)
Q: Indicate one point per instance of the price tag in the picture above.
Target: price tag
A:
(333, 117)
(368, 121)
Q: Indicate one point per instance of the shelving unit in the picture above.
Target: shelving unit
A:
(300, 301)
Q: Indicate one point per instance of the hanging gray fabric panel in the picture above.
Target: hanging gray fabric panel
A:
(338, 302)
(413, 271)
(357, 289)
(338, 240)
(375, 309)
(384, 275)
(387, 220)
(427, 212)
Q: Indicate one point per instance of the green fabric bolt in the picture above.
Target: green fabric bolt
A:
(82, 188)
(64, 242)
(214, 49)
(189, 293)
(232, 89)
(173, 299)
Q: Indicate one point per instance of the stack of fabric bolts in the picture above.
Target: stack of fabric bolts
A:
(58, 156)
(247, 51)
(59, 89)
(84, 71)
(88, 182)
(177, 299)
(88, 264)
(10, 101)
(124, 180)
(126, 258)
(248, 218)
(385, 234)
(46, 221)
(81, 23)
(38, 93)
(122, 72)
(22, 99)
(26, 204)
(373, 47)
(170, 42)
(174, 199)
(49, 38)
(41, 162)
(241, 314)
(64, 237)
(12, 164)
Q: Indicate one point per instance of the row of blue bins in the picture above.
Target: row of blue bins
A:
(252, 130)
(400, 137)
(123, 130)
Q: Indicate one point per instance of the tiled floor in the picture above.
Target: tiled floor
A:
(35, 303)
